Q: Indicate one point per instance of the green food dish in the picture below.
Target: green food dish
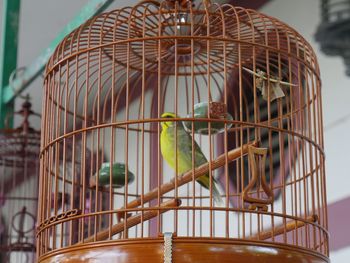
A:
(118, 175)
(202, 127)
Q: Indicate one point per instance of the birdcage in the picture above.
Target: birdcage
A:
(19, 179)
(180, 131)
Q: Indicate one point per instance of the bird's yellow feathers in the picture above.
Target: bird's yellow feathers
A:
(168, 115)
(177, 146)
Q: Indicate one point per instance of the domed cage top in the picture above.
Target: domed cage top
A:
(19, 179)
(198, 119)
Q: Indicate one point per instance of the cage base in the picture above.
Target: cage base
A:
(184, 250)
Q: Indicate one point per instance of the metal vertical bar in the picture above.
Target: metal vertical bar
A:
(176, 107)
(8, 52)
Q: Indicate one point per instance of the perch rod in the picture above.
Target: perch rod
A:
(133, 221)
(279, 230)
(188, 176)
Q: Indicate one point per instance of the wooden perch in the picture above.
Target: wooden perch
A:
(188, 176)
(132, 221)
(281, 229)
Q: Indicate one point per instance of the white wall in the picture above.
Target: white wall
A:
(304, 16)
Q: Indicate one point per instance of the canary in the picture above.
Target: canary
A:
(184, 152)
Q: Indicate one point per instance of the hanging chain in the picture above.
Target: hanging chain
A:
(168, 247)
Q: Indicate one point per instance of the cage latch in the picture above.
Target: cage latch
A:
(258, 176)
(168, 247)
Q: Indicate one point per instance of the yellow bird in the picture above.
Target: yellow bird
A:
(184, 152)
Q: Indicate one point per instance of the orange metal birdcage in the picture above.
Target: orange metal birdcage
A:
(142, 103)
(19, 179)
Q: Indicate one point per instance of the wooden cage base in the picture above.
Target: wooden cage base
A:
(185, 250)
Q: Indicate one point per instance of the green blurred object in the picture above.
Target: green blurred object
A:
(8, 55)
(202, 127)
(118, 175)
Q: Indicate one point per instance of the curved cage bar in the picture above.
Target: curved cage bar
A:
(19, 180)
(203, 120)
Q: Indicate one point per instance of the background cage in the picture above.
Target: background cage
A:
(19, 180)
(333, 31)
(255, 85)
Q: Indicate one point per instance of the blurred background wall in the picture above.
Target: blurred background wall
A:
(42, 20)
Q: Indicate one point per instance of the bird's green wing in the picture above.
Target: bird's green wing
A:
(185, 155)
(185, 149)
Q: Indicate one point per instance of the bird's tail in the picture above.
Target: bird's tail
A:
(216, 195)
(204, 181)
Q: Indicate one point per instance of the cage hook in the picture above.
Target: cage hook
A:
(25, 111)
(182, 3)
